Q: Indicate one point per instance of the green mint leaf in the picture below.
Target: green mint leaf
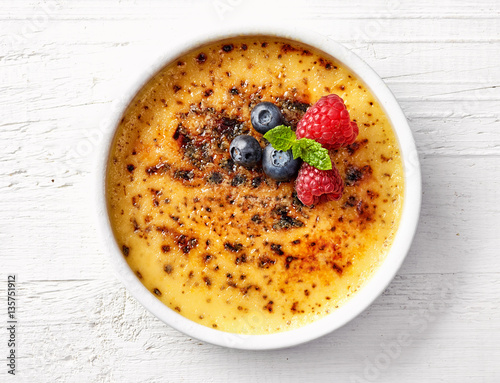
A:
(313, 153)
(281, 137)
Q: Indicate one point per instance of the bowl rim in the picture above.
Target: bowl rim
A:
(372, 288)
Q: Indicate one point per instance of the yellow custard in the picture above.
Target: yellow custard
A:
(226, 246)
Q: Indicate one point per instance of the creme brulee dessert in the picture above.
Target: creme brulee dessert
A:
(222, 244)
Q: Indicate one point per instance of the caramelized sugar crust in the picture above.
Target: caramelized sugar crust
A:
(224, 245)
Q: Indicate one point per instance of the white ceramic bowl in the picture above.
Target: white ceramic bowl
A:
(367, 294)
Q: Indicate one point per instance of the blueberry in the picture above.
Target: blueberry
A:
(279, 165)
(245, 150)
(266, 116)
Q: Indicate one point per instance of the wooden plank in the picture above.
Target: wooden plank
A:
(428, 310)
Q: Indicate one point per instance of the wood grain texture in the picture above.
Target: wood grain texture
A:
(63, 65)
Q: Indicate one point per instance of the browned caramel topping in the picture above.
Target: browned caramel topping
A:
(216, 241)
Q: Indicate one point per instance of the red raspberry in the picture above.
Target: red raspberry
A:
(314, 185)
(328, 123)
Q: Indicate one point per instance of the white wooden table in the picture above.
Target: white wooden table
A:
(62, 65)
